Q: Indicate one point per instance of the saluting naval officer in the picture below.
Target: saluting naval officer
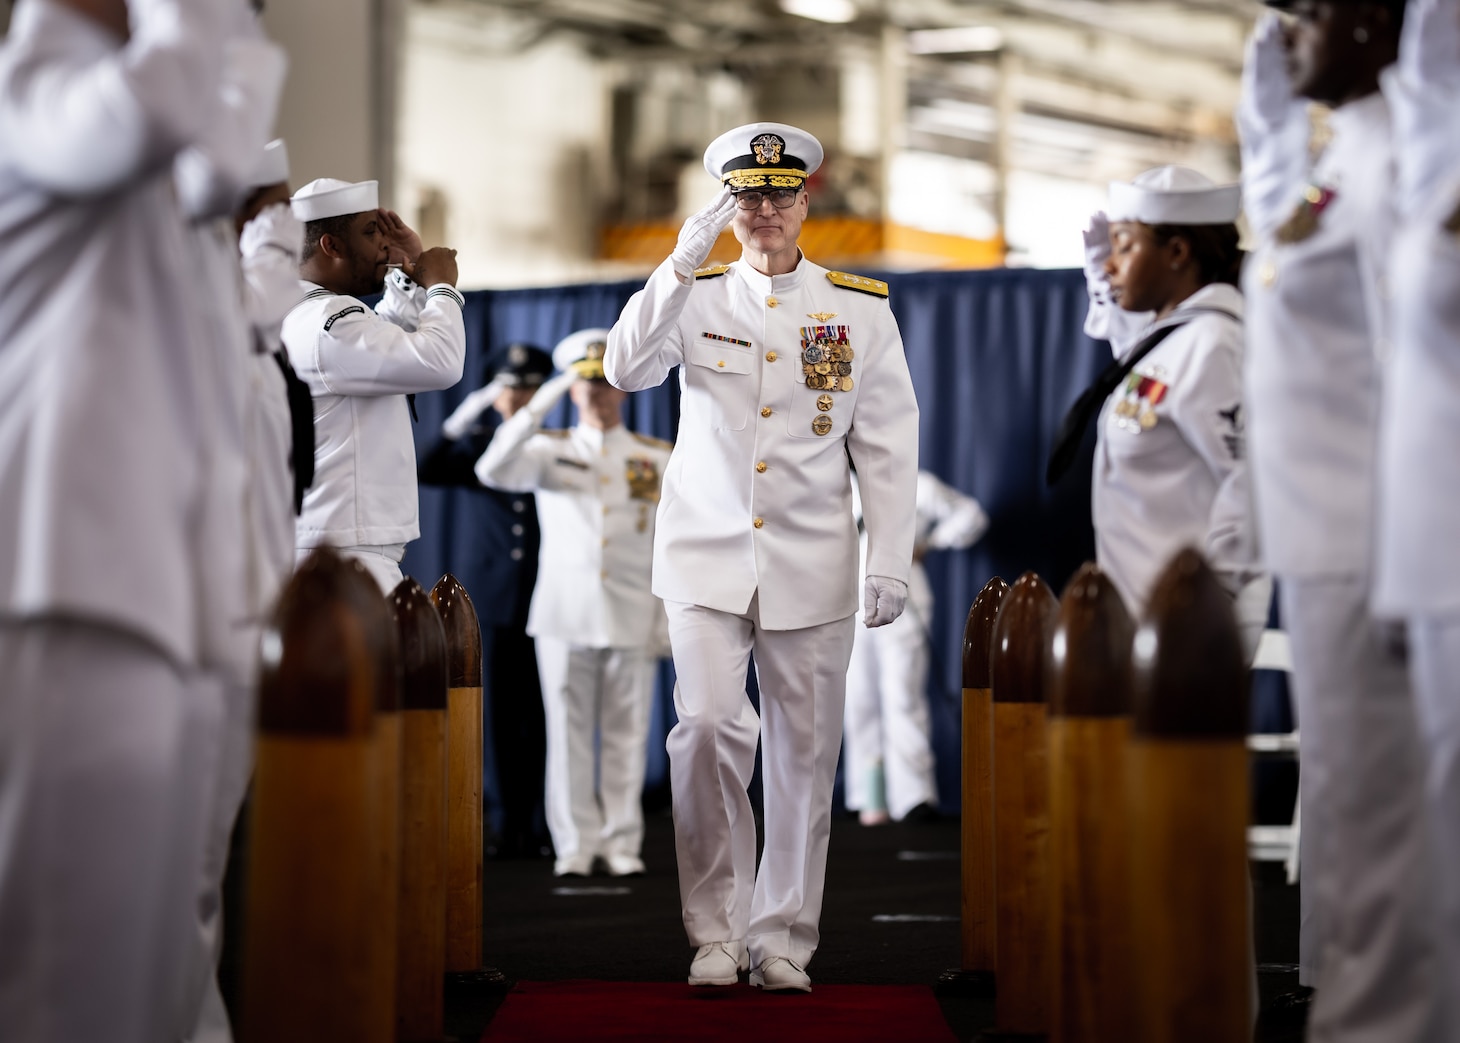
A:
(785, 369)
(496, 553)
(364, 366)
(597, 625)
(1318, 312)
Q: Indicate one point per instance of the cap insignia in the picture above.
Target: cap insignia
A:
(516, 356)
(767, 148)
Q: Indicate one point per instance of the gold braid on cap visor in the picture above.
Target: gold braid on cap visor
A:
(752, 178)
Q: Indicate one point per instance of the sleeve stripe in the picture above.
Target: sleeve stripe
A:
(447, 291)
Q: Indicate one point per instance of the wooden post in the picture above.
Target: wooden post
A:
(365, 594)
(465, 972)
(1021, 809)
(312, 958)
(1092, 991)
(1189, 808)
(974, 976)
(421, 954)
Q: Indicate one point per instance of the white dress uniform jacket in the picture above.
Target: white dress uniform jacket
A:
(104, 401)
(755, 500)
(1316, 316)
(1419, 497)
(597, 495)
(359, 366)
(1169, 456)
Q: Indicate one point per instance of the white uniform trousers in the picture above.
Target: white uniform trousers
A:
(586, 691)
(887, 720)
(1362, 773)
(102, 742)
(1434, 648)
(802, 676)
(232, 772)
(382, 562)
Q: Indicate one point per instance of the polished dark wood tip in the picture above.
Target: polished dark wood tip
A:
(978, 633)
(463, 633)
(365, 595)
(319, 668)
(422, 641)
(1089, 657)
(1021, 638)
(1190, 680)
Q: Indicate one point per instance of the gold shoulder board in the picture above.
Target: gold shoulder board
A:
(712, 271)
(657, 443)
(554, 432)
(846, 281)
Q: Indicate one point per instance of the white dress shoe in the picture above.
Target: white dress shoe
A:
(573, 865)
(780, 974)
(719, 963)
(624, 865)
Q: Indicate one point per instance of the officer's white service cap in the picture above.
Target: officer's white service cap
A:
(272, 167)
(330, 197)
(1174, 196)
(582, 352)
(763, 156)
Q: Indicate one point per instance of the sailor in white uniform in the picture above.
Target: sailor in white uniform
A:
(597, 625)
(887, 765)
(118, 600)
(1317, 298)
(785, 369)
(1418, 570)
(363, 367)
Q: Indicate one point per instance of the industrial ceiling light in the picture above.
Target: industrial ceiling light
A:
(821, 10)
(969, 39)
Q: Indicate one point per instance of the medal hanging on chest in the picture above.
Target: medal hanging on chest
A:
(826, 358)
(643, 479)
(1136, 409)
(1305, 219)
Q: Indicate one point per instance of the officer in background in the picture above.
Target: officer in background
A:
(1317, 293)
(364, 367)
(497, 553)
(888, 767)
(598, 627)
(788, 371)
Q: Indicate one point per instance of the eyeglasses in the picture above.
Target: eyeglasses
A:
(780, 198)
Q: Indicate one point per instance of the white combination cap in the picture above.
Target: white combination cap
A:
(582, 352)
(763, 155)
(1174, 196)
(272, 167)
(330, 197)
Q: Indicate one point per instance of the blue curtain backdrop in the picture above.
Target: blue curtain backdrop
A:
(996, 357)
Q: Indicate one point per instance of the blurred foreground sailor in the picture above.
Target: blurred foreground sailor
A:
(363, 367)
(596, 623)
(118, 596)
(497, 559)
(1419, 494)
(213, 179)
(786, 369)
(1317, 289)
(1170, 454)
(888, 766)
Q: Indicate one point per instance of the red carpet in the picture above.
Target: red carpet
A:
(593, 1010)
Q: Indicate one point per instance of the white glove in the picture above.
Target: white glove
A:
(1105, 319)
(884, 599)
(697, 237)
(547, 396)
(1429, 47)
(472, 407)
(1267, 91)
(274, 226)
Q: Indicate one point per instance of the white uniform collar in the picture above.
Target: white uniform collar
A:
(1370, 109)
(596, 439)
(772, 284)
(1213, 295)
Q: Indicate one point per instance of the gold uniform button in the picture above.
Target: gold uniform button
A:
(603, 574)
(605, 508)
(771, 356)
(760, 467)
(605, 479)
(721, 363)
(758, 523)
(771, 302)
(766, 411)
